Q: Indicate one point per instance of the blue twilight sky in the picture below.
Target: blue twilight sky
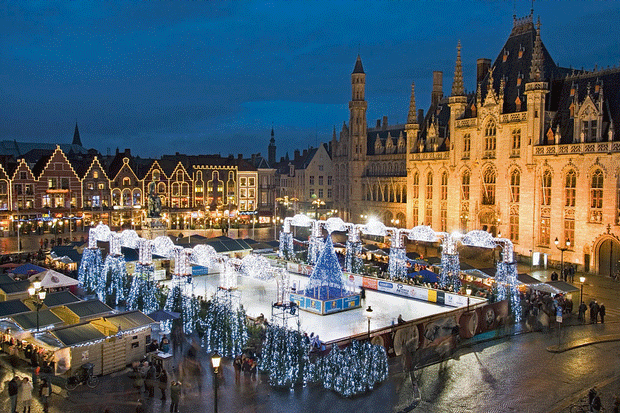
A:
(214, 76)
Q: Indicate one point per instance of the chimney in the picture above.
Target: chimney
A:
(385, 124)
(305, 153)
(378, 123)
(296, 154)
(420, 116)
(482, 67)
(253, 158)
(437, 92)
(240, 156)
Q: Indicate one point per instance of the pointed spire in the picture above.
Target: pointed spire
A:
(334, 138)
(412, 117)
(457, 83)
(358, 65)
(536, 71)
(76, 136)
(272, 140)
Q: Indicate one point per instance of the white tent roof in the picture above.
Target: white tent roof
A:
(53, 279)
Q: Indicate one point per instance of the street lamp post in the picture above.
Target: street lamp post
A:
(582, 279)
(38, 295)
(562, 249)
(369, 316)
(215, 360)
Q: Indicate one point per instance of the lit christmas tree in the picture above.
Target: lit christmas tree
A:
(284, 357)
(226, 330)
(142, 294)
(90, 271)
(115, 272)
(185, 305)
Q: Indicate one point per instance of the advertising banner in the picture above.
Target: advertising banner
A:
(369, 283)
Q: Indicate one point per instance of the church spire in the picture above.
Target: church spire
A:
(76, 136)
(536, 70)
(358, 65)
(271, 150)
(457, 84)
(412, 117)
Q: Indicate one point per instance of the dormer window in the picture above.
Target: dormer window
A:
(518, 104)
(521, 50)
(519, 79)
(505, 56)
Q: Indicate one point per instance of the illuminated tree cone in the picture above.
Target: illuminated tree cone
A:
(179, 303)
(397, 266)
(353, 370)
(89, 273)
(142, 291)
(115, 273)
(226, 331)
(326, 280)
(284, 357)
(286, 245)
(353, 262)
(450, 271)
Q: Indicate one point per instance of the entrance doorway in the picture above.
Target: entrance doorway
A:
(608, 257)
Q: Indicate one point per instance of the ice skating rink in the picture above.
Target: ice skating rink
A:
(257, 297)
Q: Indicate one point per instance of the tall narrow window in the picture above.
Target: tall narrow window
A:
(546, 188)
(596, 197)
(466, 145)
(429, 186)
(465, 186)
(545, 230)
(618, 200)
(570, 185)
(515, 182)
(444, 186)
(415, 190)
(490, 133)
(488, 187)
(569, 231)
(516, 138)
(514, 223)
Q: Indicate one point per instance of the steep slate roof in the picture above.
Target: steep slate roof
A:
(393, 130)
(560, 100)
(18, 149)
(358, 65)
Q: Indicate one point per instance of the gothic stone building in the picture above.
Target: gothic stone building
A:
(531, 155)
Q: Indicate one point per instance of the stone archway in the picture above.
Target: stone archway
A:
(608, 256)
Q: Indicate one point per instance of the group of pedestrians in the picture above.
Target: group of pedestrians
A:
(20, 394)
(596, 310)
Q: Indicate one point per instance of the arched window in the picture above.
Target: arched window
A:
(156, 175)
(126, 181)
(488, 187)
(596, 196)
(95, 174)
(444, 186)
(546, 188)
(415, 190)
(515, 182)
(516, 138)
(570, 188)
(465, 186)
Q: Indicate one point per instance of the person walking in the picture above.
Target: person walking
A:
(237, 365)
(24, 397)
(175, 396)
(582, 312)
(149, 382)
(594, 312)
(601, 312)
(46, 393)
(13, 388)
(163, 383)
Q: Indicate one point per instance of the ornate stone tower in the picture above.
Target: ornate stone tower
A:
(357, 136)
(412, 129)
(536, 90)
(457, 102)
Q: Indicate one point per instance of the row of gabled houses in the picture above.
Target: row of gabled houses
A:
(52, 189)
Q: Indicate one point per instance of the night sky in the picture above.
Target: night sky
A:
(213, 76)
